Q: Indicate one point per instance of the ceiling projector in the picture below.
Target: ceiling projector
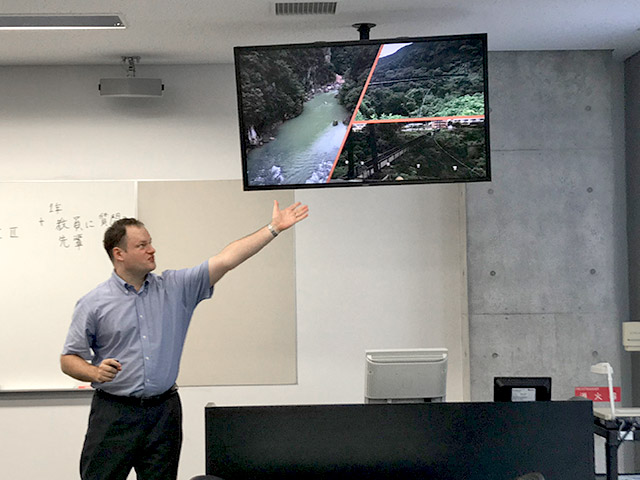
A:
(130, 86)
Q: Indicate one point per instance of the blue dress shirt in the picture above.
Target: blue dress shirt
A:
(144, 331)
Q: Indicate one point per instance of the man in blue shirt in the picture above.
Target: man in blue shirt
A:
(132, 329)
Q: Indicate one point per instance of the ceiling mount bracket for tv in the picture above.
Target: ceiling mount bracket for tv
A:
(364, 29)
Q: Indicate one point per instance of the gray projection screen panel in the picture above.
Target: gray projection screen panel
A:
(246, 333)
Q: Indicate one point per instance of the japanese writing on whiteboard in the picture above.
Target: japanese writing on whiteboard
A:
(63, 227)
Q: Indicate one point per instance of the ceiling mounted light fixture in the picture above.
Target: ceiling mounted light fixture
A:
(60, 22)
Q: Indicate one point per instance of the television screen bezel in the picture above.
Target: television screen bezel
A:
(503, 386)
(238, 50)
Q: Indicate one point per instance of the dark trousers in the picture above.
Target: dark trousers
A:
(123, 434)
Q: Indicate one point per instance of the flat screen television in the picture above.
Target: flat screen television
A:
(367, 112)
(521, 389)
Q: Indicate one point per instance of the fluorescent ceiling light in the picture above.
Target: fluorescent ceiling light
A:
(60, 22)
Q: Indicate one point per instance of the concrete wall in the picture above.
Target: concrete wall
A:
(632, 156)
(546, 267)
(547, 256)
(632, 115)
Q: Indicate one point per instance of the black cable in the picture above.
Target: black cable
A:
(627, 428)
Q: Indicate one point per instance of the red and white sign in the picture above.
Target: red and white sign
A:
(598, 394)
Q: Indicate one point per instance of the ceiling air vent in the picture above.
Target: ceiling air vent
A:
(306, 8)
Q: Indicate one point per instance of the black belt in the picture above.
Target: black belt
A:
(139, 401)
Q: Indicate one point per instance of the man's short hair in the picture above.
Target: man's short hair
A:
(116, 234)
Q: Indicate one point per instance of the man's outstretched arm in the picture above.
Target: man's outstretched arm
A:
(237, 252)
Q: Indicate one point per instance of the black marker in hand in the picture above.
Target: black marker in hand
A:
(108, 369)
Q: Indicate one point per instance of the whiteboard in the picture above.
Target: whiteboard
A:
(50, 255)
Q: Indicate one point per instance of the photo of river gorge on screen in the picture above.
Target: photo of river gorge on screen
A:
(368, 113)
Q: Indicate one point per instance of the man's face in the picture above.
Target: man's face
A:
(139, 255)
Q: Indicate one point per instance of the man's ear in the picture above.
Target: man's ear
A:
(117, 253)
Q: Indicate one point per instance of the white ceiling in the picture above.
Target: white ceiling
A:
(205, 31)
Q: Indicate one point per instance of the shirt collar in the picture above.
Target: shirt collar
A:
(126, 287)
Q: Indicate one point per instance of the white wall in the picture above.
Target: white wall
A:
(379, 267)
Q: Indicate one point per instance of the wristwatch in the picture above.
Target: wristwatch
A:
(272, 230)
